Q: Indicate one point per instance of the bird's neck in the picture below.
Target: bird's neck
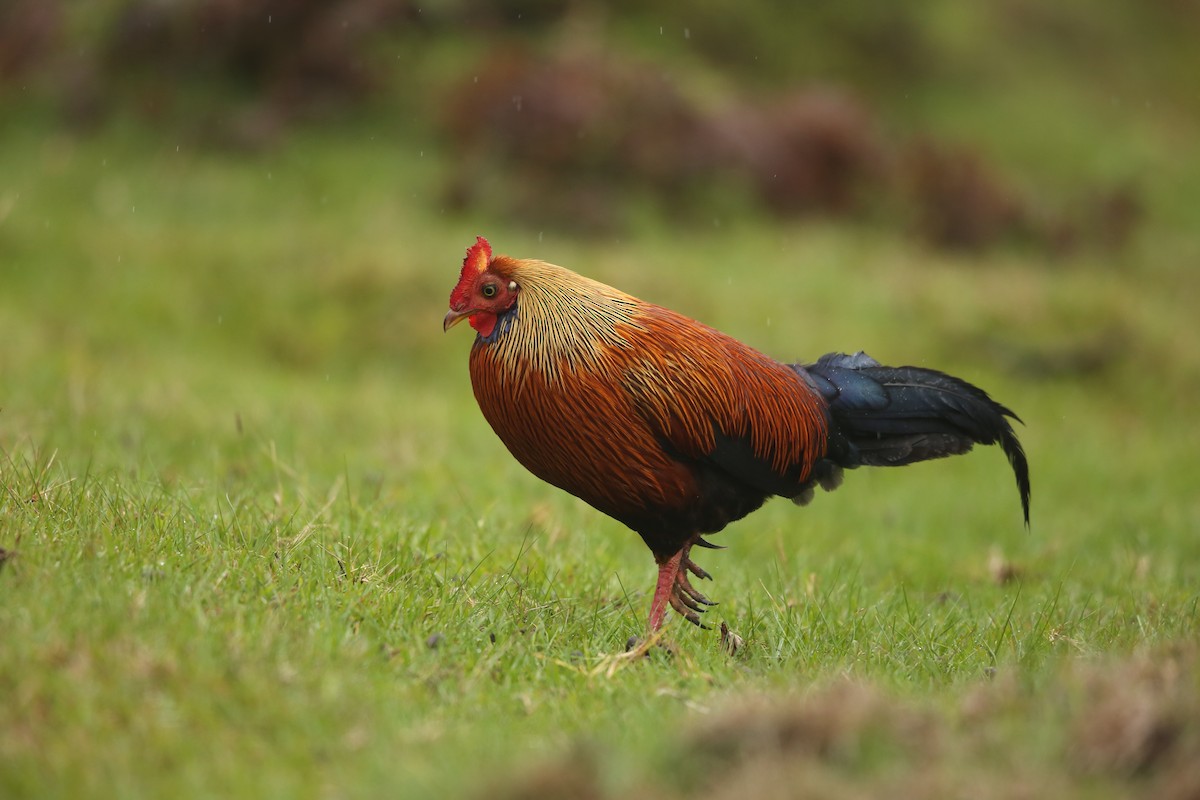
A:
(560, 321)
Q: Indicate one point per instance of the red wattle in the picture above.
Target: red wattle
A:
(483, 322)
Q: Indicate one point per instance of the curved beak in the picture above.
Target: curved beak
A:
(453, 318)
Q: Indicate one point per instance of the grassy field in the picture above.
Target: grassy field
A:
(258, 541)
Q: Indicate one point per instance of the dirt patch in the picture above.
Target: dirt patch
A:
(575, 776)
(1139, 717)
(1130, 729)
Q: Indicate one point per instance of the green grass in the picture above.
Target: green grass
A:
(263, 544)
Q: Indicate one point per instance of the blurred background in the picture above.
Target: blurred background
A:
(195, 193)
(1006, 122)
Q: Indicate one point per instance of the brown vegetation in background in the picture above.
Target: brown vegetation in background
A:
(29, 30)
(294, 60)
(957, 199)
(298, 52)
(560, 139)
(575, 131)
(241, 70)
(571, 134)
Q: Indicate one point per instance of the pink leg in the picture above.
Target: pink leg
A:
(667, 572)
(676, 590)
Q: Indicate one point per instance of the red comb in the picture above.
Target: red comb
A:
(479, 255)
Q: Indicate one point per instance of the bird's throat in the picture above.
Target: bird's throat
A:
(490, 325)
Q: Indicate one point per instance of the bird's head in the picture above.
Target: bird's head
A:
(484, 291)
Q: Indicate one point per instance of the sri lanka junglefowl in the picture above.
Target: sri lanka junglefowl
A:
(676, 429)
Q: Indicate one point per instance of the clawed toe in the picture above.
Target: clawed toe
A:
(688, 610)
(685, 599)
(696, 570)
(691, 591)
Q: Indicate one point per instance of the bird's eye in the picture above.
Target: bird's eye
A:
(489, 290)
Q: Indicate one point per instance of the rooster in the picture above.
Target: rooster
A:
(676, 429)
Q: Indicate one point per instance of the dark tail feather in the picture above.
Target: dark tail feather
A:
(892, 416)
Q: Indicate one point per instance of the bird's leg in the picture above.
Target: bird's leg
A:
(668, 573)
(676, 589)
